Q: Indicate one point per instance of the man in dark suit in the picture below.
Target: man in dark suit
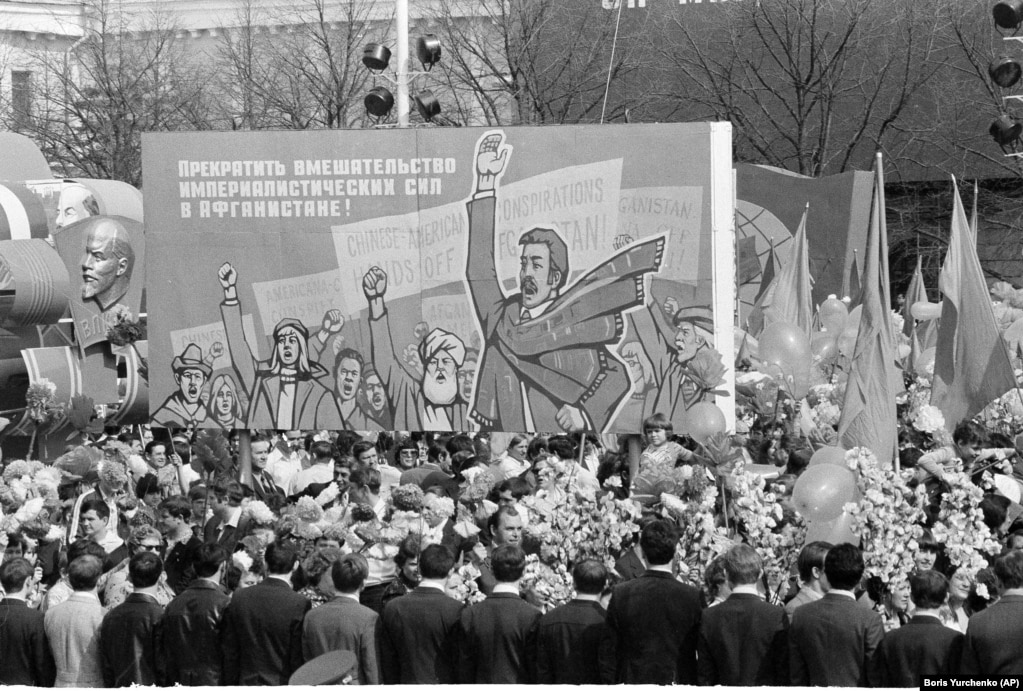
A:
(653, 620)
(262, 630)
(834, 641)
(498, 635)
(344, 624)
(923, 645)
(743, 639)
(570, 637)
(24, 649)
(190, 631)
(994, 636)
(127, 636)
(224, 528)
(418, 645)
(175, 514)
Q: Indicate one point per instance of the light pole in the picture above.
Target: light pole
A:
(401, 29)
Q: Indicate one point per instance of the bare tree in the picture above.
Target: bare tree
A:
(124, 77)
(530, 61)
(812, 86)
(297, 68)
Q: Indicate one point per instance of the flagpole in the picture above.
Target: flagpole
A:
(886, 296)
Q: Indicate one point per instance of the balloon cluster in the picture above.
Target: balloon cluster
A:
(821, 493)
(786, 355)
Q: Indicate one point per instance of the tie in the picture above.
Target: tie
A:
(525, 316)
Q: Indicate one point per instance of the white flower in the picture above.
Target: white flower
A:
(329, 494)
(260, 513)
(29, 510)
(982, 591)
(242, 560)
(929, 419)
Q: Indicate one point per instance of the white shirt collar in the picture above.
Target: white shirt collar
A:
(663, 568)
(236, 513)
(512, 588)
(536, 311)
(587, 597)
(282, 577)
(844, 593)
(350, 596)
(437, 584)
(746, 589)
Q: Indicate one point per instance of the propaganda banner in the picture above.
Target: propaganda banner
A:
(515, 279)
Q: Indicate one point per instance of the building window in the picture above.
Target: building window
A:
(21, 99)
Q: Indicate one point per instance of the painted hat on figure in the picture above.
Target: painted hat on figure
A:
(191, 358)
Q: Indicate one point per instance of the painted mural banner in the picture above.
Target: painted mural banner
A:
(516, 279)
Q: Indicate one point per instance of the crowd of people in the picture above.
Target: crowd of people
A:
(428, 557)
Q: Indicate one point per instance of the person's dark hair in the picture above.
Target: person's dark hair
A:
(714, 577)
(434, 453)
(408, 549)
(812, 555)
(14, 573)
(1009, 569)
(658, 541)
(83, 573)
(995, 508)
(197, 492)
(516, 485)
(83, 547)
(349, 572)
(508, 562)
(975, 602)
(208, 559)
(183, 448)
(321, 451)
(367, 477)
(799, 460)
(147, 484)
(177, 506)
(144, 569)
(909, 457)
(589, 577)
(153, 444)
(280, 558)
(742, 565)
(97, 505)
(346, 441)
(967, 432)
(462, 460)
(436, 561)
(843, 565)
(562, 447)
(496, 519)
(658, 421)
(362, 447)
(460, 442)
(928, 589)
(557, 248)
(229, 490)
(537, 446)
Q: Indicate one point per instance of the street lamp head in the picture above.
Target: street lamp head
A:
(428, 50)
(1005, 71)
(1008, 14)
(427, 104)
(379, 101)
(376, 56)
(1005, 130)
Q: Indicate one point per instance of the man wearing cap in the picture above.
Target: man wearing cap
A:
(184, 407)
(430, 402)
(284, 391)
(678, 352)
(546, 358)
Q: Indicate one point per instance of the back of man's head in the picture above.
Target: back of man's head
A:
(1009, 569)
(508, 562)
(658, 541)
(349, 573)
(84, 546)
(589, 577)
(144, 569)
(811, 557)
(742, 565)
(208, 559)
(928, 589)
(280, 558)
(322, 452)
(562, 447)
(436, 561)
(14, 573)
(83, 573)
(843, 565)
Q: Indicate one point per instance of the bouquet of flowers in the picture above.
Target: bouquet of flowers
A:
(960, 525)
(462, 585)
(551, 584)
(888, 519)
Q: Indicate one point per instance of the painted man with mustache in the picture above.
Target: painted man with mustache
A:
(107, 263)
(546, 360)
(429, 401)
(184, 407)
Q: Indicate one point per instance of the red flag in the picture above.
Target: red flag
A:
(868, 412)
(791, 300)
(971, 366)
